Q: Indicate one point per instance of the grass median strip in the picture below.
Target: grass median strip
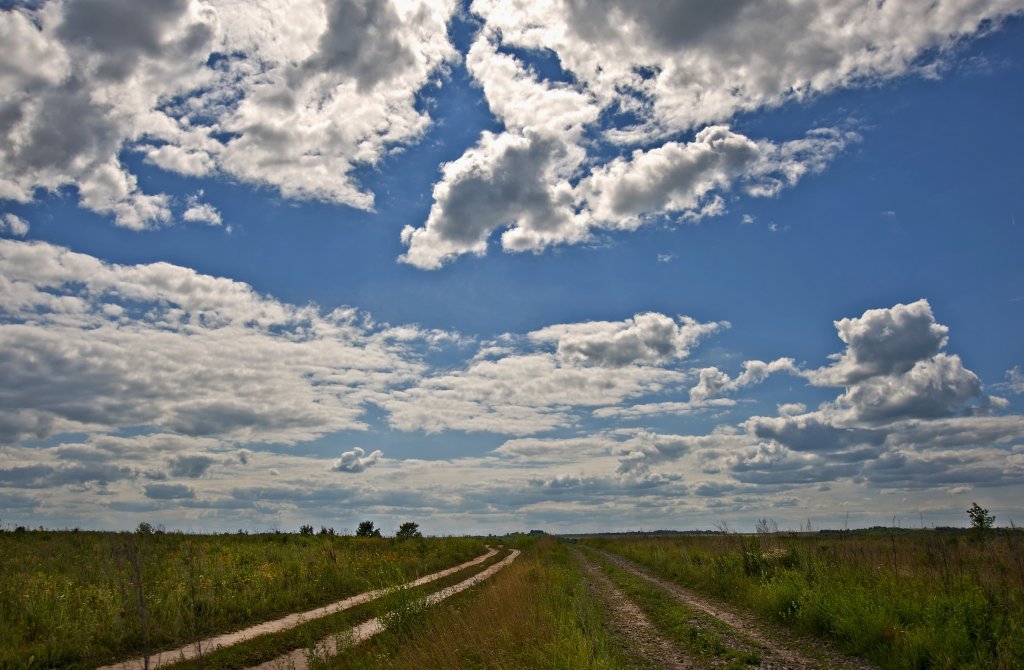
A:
(536, 613)
(710, 641)
(305, 635)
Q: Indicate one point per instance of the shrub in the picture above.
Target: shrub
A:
(408, 530)
(366, 529)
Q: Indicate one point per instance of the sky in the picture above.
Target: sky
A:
(577, 265)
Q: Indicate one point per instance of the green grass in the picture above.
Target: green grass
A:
(72, 599)
(306, 635)
(704, 638)
(535, 613)
(907, 600)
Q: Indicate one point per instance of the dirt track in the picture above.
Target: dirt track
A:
(195, 649)
(330, 646)
(778, 649)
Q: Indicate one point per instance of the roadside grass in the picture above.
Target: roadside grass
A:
(83, 599)
(904, 599)
(535, 613)
(704, 638)
(396, 607)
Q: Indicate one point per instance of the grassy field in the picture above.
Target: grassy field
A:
(81, 599)
(902, 599)
(537, 613)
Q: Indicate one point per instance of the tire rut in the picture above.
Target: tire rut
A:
(775, 656)
(638, 635)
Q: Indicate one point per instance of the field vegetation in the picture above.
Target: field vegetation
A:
(83, 599)
(926, 598)
(901, 598)
(536, 613)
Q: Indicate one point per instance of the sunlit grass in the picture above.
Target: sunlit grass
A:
(72, 599)
(536, 613)
(920, 599)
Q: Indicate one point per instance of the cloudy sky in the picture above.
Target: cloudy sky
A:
(507, 264)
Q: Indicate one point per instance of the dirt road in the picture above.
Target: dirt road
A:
(195, 649)
(330, 646)
(778, 650)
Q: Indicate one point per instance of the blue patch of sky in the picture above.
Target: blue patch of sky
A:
(942, 156)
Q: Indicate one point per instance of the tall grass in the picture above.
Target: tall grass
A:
(536, 613)
(81, 599)
(910, 599)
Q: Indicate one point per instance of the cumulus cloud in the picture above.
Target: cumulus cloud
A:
(526, 185)
(884, 341)
(670, 67)
(202, 212)
(91, 346)
(191, 465)
(357, 460)
(596, 363)
(713, 382)
(294, 96)
(903, 399)
(683, 64)
(14, 224)
(645, 338)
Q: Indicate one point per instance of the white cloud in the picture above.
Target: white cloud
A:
(645, 338)
(713, 382)
(15, 224)
(684, 64)
(674, 67)
(357, 460)
(884, 341)
(593, 364)
(201, 211)
(909, 415)
(523, 183)
(1014, 381)
(291, 95)
(98, 347)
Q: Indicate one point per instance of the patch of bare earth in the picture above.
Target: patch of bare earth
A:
(631, 626)
(777, 650)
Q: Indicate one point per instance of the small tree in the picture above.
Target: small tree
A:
(408, 530)
(366, 529)
(306, 530)
(981, 520)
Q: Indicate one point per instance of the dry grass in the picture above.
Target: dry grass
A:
(536, 613)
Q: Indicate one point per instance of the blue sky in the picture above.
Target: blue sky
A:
(573, 265)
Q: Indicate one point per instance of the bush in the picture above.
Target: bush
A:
(408, 530)
(366, 529)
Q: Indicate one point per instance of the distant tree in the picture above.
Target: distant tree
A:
(980, 518)
(144, 528)
(306, 530)
(366, 529)
(324, 530)
(408, 530)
